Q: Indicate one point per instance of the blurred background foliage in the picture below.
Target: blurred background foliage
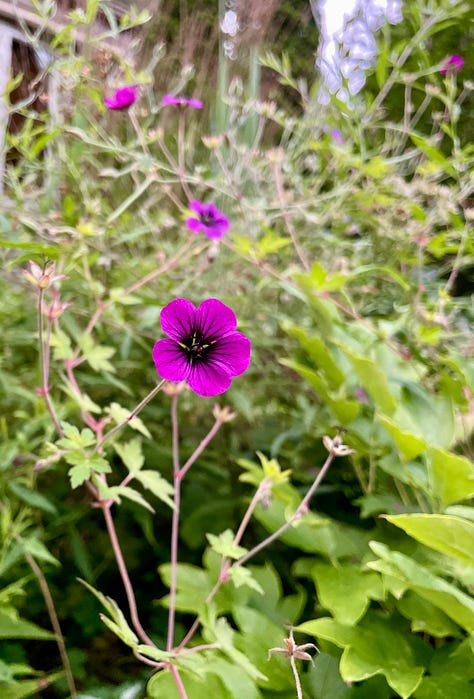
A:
(349, 265)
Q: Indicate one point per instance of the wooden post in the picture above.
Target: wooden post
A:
(5, 69)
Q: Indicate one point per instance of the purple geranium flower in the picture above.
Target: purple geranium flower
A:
(182, 101)
(209, 220)
(123, 97)
(203, 347)
(453, 64)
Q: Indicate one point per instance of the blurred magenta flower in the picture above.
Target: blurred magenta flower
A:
(182, 101)
(209, 220)
(453, 64)
(203, 346)
(123, 97)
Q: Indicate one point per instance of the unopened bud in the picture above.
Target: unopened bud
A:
(336, 447)
(223, 414)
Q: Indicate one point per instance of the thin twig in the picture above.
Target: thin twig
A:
(48, 599)
(132, 605)
(286, 216)
(44, 366)
(299, 691)
(133, 414)
(284, 527)
(175, 523)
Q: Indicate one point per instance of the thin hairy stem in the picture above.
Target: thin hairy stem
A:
(179, 682)
(132, 605)
(299, 691)
(175, 523)
(48, 599)
(198, 451)
(284, 527)
(130, 417)
(286, 216)
(44, 366)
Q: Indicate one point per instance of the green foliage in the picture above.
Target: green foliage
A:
(349, 265)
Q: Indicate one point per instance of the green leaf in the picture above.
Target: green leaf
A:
(408, 445)
(156, 484)
(346, 591)
(373, 380)
(98, 358)
(451, 673)
(84, 401)
(224, 636)
(345, 410)
(319, 353)
(117, 622)
(242, 576)
(433, 154)
(224, 545)
(79, 474)
(32, 498)
(450, 535)
(131, 454)
(325, 679)
(456, 604)
(98, 464)
(131, 494)
(453, 476)
(38, 550)
(119, 414)
(73, 439)
(373, 647)
(61, 343)
(194, 585)
(11, 626)
(425, 617)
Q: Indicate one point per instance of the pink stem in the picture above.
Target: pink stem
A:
(175, 522)
(124, 575)
(44, 349)
(197, 453)
(178, 682)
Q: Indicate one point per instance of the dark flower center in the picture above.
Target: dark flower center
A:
(208, 219)
(196, 347)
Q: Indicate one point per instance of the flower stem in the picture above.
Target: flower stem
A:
(178, 682)
(133, 414)
(198, 451)
(44, 365)
(299, 691)
(287, 218)
(124, 575)
(286, 525)
(175, 523)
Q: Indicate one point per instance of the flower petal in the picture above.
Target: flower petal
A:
(198, 207)
(195, 225)
(178, 319)
(214, 319)
(232, 353)
(207, 380)
(170, 362)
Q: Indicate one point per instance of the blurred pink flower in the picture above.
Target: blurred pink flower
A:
(208, 220)
(42, 277)
(123, 97)
(453, 64)
(182, 101)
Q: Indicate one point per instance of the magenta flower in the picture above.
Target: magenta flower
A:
(203, 347)
(453, 64)
(182, 101)
(209, 220)
(123, 97)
